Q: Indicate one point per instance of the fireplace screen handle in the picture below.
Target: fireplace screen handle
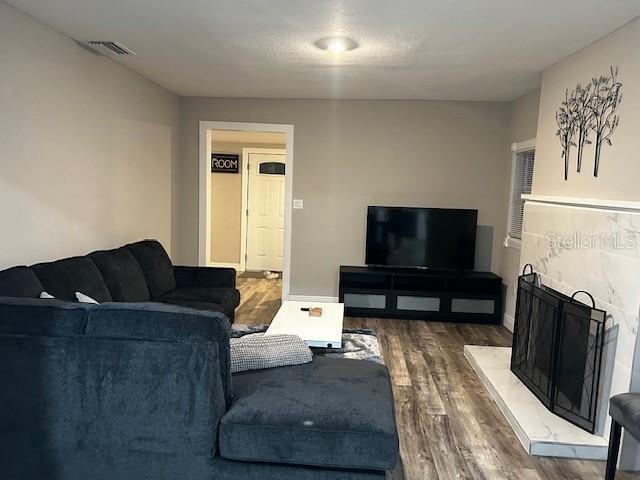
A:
(593, 302)
(524, 269)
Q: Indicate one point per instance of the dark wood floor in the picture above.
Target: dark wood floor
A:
(449, 426)
(260, 300)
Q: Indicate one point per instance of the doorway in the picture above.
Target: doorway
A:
(245, 199)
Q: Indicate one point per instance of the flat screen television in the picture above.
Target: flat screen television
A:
(438, 238)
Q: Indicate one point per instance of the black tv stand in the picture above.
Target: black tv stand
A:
(421, 294)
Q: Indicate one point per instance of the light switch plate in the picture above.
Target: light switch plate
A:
(298, 203)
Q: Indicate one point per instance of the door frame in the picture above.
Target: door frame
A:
(244, 225)
(204, 189)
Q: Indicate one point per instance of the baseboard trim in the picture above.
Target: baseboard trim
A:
(312, 298)
(508, 322)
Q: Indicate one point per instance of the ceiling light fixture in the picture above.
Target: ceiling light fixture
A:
(336, 44)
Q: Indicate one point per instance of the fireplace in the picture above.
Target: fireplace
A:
(557, 349)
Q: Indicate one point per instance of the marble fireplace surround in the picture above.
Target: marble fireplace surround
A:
(594, 245)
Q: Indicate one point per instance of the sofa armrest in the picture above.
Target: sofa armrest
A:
(111, 408)
(204, 277)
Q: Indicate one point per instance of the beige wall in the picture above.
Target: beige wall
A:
(349, 154)
(619, 168)
(87, 148)
(523, 120)
(226, 203)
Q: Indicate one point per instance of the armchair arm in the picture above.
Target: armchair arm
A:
(204, 277)
(111, 408)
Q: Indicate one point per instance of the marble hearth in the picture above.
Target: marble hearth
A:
(540, 431)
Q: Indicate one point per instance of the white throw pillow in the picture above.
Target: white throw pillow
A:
(82, 298)
(46, 295)
(255, 352)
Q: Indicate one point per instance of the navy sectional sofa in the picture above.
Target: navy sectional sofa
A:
(131, 389)
(138, 272)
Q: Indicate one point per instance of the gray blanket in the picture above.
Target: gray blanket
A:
(358, 343)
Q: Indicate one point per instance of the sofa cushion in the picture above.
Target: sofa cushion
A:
(63, 278)
(229, 298)
(333, 412)
(20, 282)
(156, 266)
(156, 321)
(122, 274)
(34, 316)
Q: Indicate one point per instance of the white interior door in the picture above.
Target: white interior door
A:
(265, 217)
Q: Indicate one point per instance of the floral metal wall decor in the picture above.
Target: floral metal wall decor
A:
(588, 116)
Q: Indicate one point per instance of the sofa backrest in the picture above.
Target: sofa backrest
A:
(122, 274)
(138, 272)
(143, 321)
(156, 266)
(104, 408)
(19, 282)
(63, 278)
(35, 316)
(157, 321)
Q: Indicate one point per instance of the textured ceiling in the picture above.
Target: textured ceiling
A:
(410, 49)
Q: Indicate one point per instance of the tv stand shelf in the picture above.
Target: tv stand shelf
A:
(443, 295)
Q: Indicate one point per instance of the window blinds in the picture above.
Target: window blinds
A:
(522, 180)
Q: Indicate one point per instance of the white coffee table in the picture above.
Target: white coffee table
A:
(324, 331)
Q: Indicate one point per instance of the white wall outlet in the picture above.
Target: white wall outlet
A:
(298, 203)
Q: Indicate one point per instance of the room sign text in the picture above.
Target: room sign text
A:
(225, 162)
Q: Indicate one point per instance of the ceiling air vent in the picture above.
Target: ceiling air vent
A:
(113, 47)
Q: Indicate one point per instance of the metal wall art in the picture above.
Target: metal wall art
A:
(588, 116)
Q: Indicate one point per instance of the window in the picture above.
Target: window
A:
(272, 168)
(522, 177)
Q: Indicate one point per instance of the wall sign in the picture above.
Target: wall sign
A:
(588, 116)
(225, 162)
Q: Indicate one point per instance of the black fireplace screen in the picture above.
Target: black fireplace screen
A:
(557, 350)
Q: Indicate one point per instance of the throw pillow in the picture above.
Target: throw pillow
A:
(256, 352)
(82, 298)
(46, 295)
